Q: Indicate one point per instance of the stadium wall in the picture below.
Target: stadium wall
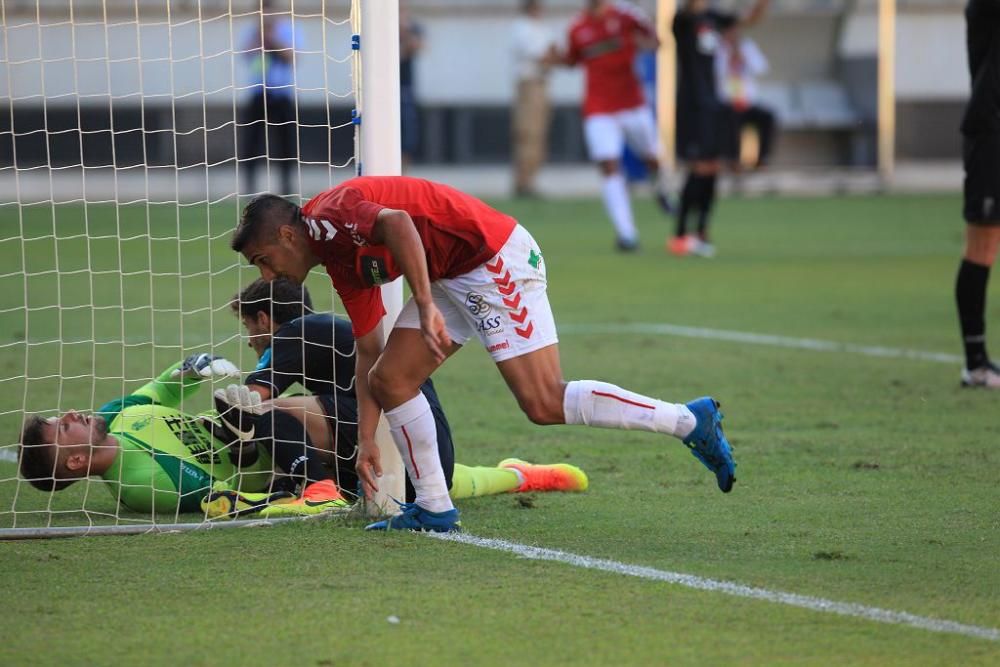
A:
(465, 107)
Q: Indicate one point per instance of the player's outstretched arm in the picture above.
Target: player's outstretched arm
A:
(756, 13)
(396, 231)
(182, 379)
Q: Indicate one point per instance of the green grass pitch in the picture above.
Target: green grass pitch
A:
(861, 479)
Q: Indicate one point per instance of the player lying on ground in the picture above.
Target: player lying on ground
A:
(158, 458)
(154, 456)
(473, 271)
(317, 351)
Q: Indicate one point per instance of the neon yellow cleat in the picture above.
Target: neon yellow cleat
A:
(552, 477)
(317, 498)
(224, 503)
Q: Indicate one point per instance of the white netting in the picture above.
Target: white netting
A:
(120, 183)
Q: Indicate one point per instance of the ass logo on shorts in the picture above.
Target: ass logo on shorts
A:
(477, 305)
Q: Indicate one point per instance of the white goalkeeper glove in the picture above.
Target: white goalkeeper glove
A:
(205, 365)
(240, 409)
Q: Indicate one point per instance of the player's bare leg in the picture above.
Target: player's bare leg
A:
(614, 191)
(308, 410)
(394, 381)
(536, 381)
(981, 245)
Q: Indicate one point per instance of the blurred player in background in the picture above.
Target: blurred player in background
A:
(411, 41)
(534, 49)
(738, 64)
(981, 151)
(604, 39)
(700, 120)
(268, 116)
(317, 351)
(473, 272)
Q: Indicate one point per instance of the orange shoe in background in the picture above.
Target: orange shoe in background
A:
(553, 477)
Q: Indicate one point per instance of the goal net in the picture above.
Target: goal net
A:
(131, 133)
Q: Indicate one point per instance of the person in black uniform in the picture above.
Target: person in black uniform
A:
(981, 156)
(316, 350)
(697, 31)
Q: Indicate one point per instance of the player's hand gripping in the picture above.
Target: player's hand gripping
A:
(239, 409)
(369, 466)
(435, 334)
(206, 365)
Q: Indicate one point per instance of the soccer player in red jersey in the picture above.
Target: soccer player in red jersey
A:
(473, 272)
(604, 38)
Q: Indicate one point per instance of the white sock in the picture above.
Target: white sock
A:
(619, 207)
(606, 406)
(415, 434)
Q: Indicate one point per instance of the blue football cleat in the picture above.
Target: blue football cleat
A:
(414, 517)
(708, 443)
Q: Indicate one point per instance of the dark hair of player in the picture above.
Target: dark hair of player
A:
(36, 458)
(282, 299)
(261, 218)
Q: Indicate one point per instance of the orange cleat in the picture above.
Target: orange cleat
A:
(554, 477)
(316, 498)
(679, 245)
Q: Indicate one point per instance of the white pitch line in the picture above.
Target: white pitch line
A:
(729, 588)
(7, 455)
(813, 344)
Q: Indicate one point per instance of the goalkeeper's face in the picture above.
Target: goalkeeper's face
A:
(74, 428)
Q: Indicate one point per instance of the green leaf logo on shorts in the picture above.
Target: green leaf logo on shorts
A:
(535, 258)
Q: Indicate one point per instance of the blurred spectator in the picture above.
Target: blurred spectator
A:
(700, 115)
(411, 40)
(738, 63)
(268, 117)
(534, 51)
(605, 38)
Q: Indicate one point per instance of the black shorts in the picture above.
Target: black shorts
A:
(342, 415)
(981, 157)
(700, 131)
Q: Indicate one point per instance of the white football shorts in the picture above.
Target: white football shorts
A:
(502, 301)
(607, 133)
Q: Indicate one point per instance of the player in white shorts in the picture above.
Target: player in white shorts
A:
(471, 270)
(605, 38)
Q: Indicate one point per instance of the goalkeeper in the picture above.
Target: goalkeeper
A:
(316, 350)
(157, 458)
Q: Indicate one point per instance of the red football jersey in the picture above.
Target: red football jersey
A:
(458, 232)
(605, 45)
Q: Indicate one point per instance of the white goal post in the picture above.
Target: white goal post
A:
(122, 173)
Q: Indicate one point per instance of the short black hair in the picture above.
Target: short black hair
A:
(261, 218)
(282, 299)
(36, 458)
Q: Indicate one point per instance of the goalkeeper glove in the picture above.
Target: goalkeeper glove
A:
(239, 408)
(205, 365)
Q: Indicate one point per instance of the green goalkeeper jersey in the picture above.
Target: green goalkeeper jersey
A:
(169, 460)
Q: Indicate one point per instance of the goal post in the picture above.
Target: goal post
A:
(121, 131)
(380, 155)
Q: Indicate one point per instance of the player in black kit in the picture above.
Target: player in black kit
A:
(981, 154)
(316, 351)
(697, 30)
